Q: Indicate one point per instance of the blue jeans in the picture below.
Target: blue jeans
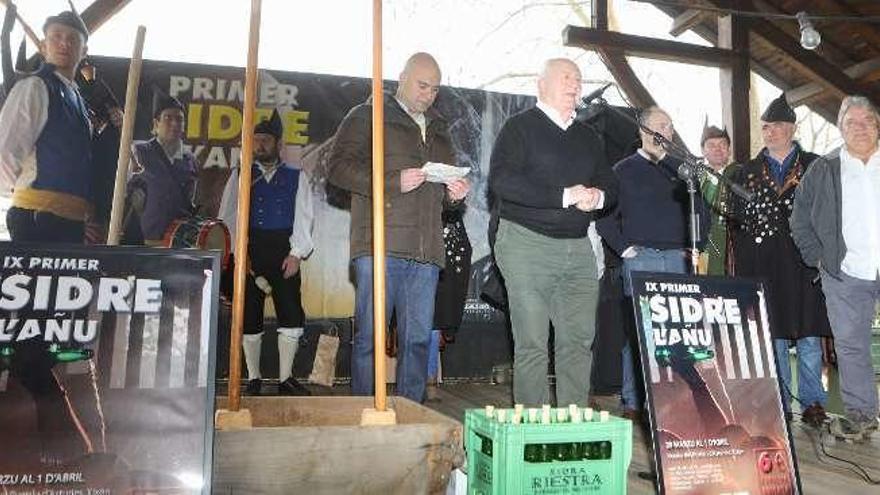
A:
(809, 371)
(645, 260)
(410, 287)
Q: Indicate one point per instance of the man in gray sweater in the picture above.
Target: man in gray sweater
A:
(836, 226)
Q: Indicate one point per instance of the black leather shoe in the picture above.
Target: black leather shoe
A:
(292, 387)
(254, 387)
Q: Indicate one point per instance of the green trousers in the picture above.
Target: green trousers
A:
(549, 280)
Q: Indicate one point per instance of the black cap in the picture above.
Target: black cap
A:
(69, 19)
(712, 132)
(271, 126)
(163, 101)
(779, 111)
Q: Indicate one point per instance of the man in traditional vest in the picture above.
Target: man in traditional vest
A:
(45, 142)
(45, 160)
(163, 188)
(279, 238)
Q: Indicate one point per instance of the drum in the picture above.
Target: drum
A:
(199, 233)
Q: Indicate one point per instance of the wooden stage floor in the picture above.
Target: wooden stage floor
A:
(820, 475)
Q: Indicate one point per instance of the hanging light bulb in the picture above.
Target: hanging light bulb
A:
(810, 38)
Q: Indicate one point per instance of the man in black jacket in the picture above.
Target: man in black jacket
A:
(763, 247)
(549, 175)
(649, 227)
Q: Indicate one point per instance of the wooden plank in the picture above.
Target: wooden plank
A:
(685, 21)
(319, 448)
(100, 11)
(626, 78)
(733, 33)
(808, 61)
(600, 14)
(642, 46)
(867, 70)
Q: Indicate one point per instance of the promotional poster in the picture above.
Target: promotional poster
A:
(707, 358)
(106, 370)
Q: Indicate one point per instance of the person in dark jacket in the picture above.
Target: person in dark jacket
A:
(763, 247)
(836, 226)
(549, 175)
(165, 182)
(648, 228)
(414, 135)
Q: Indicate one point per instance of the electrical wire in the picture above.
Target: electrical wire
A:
(873, 19)
(819, 447)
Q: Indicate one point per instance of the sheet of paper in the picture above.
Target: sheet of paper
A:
(441, 172)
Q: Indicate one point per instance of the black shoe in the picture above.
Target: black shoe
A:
(814, 415)
(253, 387)
(292, 387)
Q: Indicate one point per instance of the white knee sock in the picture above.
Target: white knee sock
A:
(252, 344)
(288, 343)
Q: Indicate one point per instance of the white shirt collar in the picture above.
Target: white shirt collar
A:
(846, 157)
(553, 115)
(644, 154)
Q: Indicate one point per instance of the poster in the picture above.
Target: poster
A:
(707, 359)
(106, 370)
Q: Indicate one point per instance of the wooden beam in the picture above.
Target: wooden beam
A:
(600, 14)
(685, 21)
(636, 92)
(626, 78)
(867, 70)
(100, 11)
(641, 46)
(809, 61)
(733, 33)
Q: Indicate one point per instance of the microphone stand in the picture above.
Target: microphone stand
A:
(690, 168)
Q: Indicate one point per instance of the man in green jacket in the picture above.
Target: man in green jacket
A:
(414, 135)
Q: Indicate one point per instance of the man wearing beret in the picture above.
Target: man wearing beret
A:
(164, 186)
(763, 248)
(45, 142)
(45, 162)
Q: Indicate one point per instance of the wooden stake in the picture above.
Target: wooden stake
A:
(379, 414)
(24, 25)
(131, 96)
(244, 206)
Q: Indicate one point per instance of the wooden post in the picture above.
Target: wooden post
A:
(131, 93)
(24, 25)
(233, 418)
(380, 414)
(733, 34)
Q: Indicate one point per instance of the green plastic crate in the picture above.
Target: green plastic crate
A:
(496, 455)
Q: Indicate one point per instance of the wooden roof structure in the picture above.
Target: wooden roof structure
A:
(846, 62)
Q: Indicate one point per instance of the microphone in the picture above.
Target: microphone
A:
(586, 100)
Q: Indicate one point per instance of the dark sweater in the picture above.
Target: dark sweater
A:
(652, 209)
(534, 160)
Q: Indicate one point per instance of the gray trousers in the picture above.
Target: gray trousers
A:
(851, 302)
(549, 280)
